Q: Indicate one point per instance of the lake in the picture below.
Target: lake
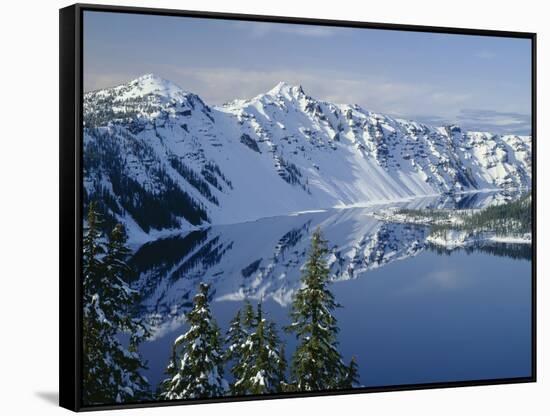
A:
(410, 313)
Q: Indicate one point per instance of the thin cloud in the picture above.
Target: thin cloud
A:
(436, 121)
(262, 29)
(495, 121)
(485, 55)
(95, 81)
(399, 99)
(483, 120)
(377, 94)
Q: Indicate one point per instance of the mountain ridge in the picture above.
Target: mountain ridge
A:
(158, 157)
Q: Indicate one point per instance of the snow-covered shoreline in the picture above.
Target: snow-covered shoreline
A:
(468, 227)
(452, 239)
(382, 210)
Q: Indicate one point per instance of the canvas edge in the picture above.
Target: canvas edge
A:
(70, 93)
(304, 21)
(69, 208)
(534, 138)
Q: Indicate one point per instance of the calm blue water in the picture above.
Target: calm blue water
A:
(427, 318)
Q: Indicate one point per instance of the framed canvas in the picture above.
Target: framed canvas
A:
(258, 207)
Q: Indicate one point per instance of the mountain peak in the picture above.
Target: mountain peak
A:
(154, 84)
(150, 77)
(284, 88)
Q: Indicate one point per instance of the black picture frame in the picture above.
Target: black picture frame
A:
(70, 211)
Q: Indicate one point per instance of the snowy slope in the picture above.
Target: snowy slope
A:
(157, 157)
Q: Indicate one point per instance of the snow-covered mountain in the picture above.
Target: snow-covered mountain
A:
(158, 157)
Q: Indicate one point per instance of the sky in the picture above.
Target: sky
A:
(481, 83)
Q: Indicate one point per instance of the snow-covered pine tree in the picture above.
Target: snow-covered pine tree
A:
(276, 357)
(92, 251)
(235, 338)
(248, 316)
(96, 388)
(119, 308)
(261, 365)
(196, 367)
(316, 363)
(352, 375)
(283, 364)
(111, 371)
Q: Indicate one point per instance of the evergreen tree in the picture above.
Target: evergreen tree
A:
(284, 385)
(261, 367)
(119, 302)
(316, 364)
(111, 371)
(248, 316)
(92, 251)
(236, 336)
(196, 367)
(352, 375)
(275, 357)
(96, 388)
(235, 339)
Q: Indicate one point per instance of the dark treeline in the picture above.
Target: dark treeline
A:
(512, 218)
(159, 209)
(505, 219)
(431, 214)
(510, 250)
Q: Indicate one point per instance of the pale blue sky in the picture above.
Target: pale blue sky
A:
(483, 83)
